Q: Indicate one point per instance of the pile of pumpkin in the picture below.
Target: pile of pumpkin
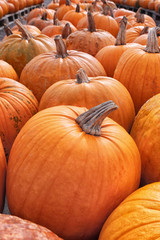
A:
(79, 125)
(12, 6)
(147, 4)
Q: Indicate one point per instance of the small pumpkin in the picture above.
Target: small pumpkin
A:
(89, 40)
(44, 70)
(7, 71)
(18, 50)
(12, 227)
(80, 154)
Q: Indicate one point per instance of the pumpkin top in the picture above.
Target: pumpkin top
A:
(91, 120)
(25, 33)
(82, 77)
(60, 47)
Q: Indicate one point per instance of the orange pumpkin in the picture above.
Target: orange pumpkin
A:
(77, 157)
(145, 132)
(134, 32)
(64, 8)
(40, 22)
(138, 70)
(110, 55)
(89, 92)
(6, 70)
(89, 40)
(12, 227)
(51, 67)
(39, 11)
(3, 168)
(137, 217)
(18, 50)
(17, 105)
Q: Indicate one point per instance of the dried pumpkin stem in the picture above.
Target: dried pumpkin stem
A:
(145, 30)
(152, 42)
(82, 76)
(121, 36)
(78, 8)
(68, 2)
(60, 47)
(91, 22)
(44, 16)
(90, 121)
(25, 33)
(66, 31)
(7, 30)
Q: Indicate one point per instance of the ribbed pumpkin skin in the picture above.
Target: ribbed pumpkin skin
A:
(139, 72)
(89, 42)
(145, 132)
(110, 55)
(18, 51)
(15, 228)
(47, 69)
(98, 90)
(73, 175)
(17, 105)
(6, 70)
(137, 217)
(3, 168)
(133, 33)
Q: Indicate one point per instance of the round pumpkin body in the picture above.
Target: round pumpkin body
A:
(75, 176)
(3, 168)
(137, 217)
(145, 132)
(89, 94)
(49, 68)
(133, 33)
(15, 228)
(138, 71)
(17, 105)
(6, 70)
(18, 51)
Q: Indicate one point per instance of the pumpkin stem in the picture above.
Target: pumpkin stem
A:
(60, 47)
(145, 30)
(139, 17)
(91, 120)
(55, 20)
(121, 36)
(152, 41)
(78, 8)
(68, 2)
(91, 22)
(66, 31)
(107, 9)
(82, 76)
(44, 16)
(7, 30)
(25, 33)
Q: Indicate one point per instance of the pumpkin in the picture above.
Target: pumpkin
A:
(74, 16)
(137, 217)
(145, 132)
(134, 32)
(89, 40)
(32, 29)
(89, 92)
(142, 39)
(12, 227)
(110, 55)
(75, 165)
(39, 11)
(6, 70)
(54, 4)
(40, 22)
(18, 50)
(15, 4)
(4, 6)
(46, 69)
(17, 105)
(64, 8)
(138, 70)
(3, 168)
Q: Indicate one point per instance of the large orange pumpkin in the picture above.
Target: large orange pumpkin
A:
(73, 170)
(3, 168)
(17, 105)
(15, 228)
(18, 50)
(137, 217)
(138, 70)
(145, 132)
(46, 69)
(89, 92)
